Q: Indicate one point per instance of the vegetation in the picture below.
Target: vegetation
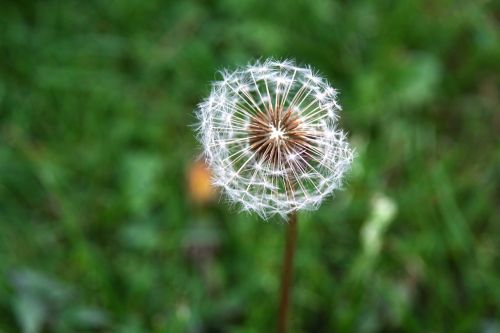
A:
(99, 227)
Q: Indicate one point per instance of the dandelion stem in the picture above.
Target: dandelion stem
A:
(287, 271)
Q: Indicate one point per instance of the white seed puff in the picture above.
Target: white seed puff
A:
(269, 134)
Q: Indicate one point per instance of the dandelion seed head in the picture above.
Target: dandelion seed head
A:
(269, 133)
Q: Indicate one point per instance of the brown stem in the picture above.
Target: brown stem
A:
(287, 270)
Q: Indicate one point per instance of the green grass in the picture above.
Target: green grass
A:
(96, 229)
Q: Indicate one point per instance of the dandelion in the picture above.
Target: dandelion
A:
(270, 136)
(269, 133)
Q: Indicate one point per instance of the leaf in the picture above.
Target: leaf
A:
(141, 170)
(141, 235)
(30, 312)
(88, 318)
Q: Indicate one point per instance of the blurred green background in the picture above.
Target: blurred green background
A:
(99, 231)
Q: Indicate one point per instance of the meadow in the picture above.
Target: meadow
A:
(107, 225)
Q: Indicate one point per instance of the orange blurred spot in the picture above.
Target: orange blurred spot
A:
(199, 183)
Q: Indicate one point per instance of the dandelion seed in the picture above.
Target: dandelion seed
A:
(270, 136)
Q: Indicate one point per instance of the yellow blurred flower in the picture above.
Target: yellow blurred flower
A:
(199, 182)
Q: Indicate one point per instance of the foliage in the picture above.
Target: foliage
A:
(97, 231)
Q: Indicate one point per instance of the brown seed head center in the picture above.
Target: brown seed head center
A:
(277, 134)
